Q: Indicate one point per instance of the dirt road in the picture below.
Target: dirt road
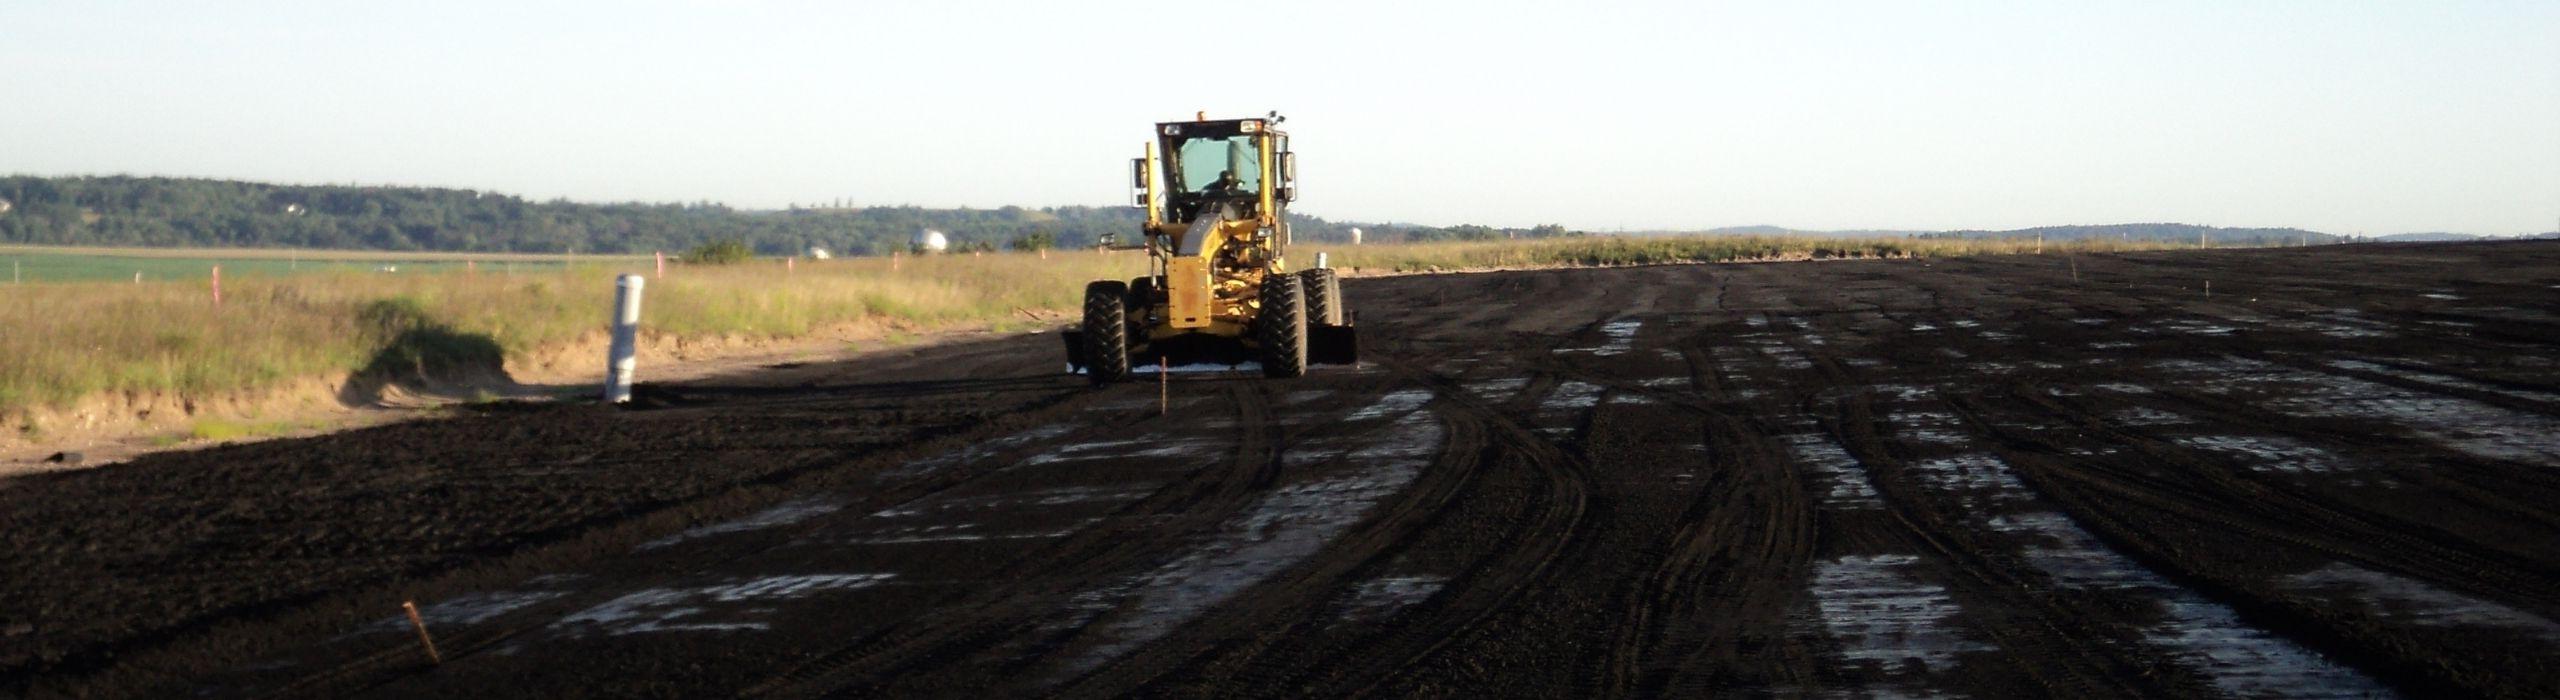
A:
(2338, 475)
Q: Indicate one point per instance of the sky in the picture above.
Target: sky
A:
(2342, 116)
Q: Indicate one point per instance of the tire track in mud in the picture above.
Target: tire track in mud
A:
(1732, 545)
(2157, 637)
(2290, 528)
(391, 660)
(1542, 516)
(902, 659)
(1233, 653)
(778, 526)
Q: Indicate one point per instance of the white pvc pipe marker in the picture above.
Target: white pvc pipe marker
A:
(624, 360)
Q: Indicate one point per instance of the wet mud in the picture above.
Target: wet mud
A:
(2336, 476)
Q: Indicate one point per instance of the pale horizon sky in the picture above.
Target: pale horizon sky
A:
(2337, 116)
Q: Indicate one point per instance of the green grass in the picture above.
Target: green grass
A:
(84, 265)
(226, 430)
(70, 340)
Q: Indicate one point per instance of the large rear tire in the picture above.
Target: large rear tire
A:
(1106, 331)
(1324, 296)
(1282, 327)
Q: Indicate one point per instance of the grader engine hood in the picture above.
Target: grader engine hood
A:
(1201, 289)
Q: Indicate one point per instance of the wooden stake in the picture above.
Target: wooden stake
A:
(2075, 268)
(2208, 289)
(411, 607)
(217, 285)
(1164, 386)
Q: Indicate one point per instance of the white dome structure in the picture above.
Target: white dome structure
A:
(932, 241)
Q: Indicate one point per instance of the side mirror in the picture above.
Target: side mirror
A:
(1289, 177)
(1138, 182)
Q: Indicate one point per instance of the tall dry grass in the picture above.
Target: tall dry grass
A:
(66, 341)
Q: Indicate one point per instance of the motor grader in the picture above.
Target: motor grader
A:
(1219, 288)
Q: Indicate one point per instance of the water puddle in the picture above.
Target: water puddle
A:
(2462, 424)
(1841, 478)
(472, 609)
(1381, 598)
(1299, 396)
(788, 513)
(2404, 600)
(2442, 380)
(715, 608)
(1395, 403)
(2200, 634)
(1931, 427)
(1621, 337)
(974, 453)
(1977, 478)
(2268, 453)
(2145, 416)
(1497, 390)
(1136, 448)
(1572, 395)
(1785, 355)
(1884, 616)
(1016, 501)
(1561, 411)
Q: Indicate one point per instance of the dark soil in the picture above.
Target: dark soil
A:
(2337, 475)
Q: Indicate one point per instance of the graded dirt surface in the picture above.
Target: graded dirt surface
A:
(2336, 476)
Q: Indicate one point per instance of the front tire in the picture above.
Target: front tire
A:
(1106, 331)
(1283, 327)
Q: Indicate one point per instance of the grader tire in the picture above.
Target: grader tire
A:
(1282, 327)
(1106, 331)
(1324, 296)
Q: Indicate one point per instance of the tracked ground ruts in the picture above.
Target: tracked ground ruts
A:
(2333, 477)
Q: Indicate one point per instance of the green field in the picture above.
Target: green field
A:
(27, 264)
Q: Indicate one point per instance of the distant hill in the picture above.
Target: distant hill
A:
(2427, 237)
(190, 212)
(2132, 232)
(2160, 232)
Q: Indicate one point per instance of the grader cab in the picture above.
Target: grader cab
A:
(1219, 287)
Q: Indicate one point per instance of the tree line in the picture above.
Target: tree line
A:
(191, 212)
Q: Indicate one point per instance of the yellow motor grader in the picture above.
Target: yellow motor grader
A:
(1219, 288)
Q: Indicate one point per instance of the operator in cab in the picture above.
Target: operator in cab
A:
(1225, 186)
